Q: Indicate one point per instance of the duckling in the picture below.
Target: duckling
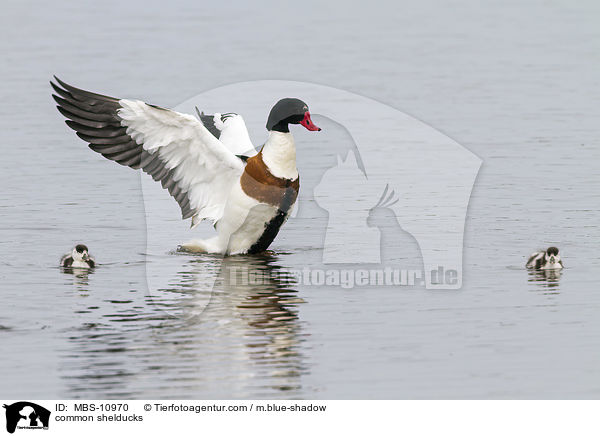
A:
(548, 259)
(78, 258)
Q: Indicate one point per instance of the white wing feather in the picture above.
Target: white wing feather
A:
(234, 134)
(203, 166)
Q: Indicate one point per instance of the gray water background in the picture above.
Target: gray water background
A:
(514, 82)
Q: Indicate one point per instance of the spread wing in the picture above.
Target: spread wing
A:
(176, 149)
(230, 129)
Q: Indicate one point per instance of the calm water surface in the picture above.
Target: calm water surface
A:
(516, 83)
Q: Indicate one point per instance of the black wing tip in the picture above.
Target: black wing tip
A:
(84, 137)
(157, 107)
(59, 90)
(72, 124)
(81, 92)
(63, 86)
(59, 99)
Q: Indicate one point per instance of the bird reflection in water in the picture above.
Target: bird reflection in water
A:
(261, 293)
(80, 277)
(548, 280)
(252, 313)
(246, 339)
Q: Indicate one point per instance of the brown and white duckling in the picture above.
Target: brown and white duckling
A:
(548, 259)
(78, 258)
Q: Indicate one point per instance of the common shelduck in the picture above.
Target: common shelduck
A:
(78, 258)
(548, 259)
(203, 163)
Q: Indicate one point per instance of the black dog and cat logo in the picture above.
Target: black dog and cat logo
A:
(26, 415)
